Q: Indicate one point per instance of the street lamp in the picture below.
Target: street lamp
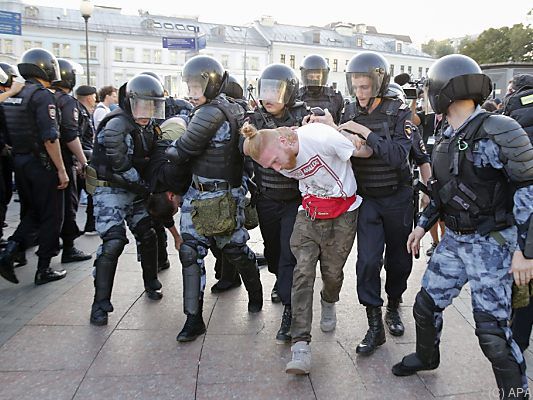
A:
(86, 9)
(244, 64)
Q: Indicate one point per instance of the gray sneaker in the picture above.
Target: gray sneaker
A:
(328, 319)
(301, 359)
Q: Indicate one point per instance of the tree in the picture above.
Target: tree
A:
(438, 48)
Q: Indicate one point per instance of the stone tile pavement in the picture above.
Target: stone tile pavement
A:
(48, 349)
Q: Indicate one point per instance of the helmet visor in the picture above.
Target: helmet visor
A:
(147, 108)
(314, 77)
(371, 80)
(196, 85)
(273, 91)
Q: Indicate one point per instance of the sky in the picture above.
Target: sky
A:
(422, 20)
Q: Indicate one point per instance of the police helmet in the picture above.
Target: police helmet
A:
(455, 77)
(395, 91)
(204, 76)
(152, 74)
(278, 84)
(144, 97)
(68, 71)
(372, 65)
(9, 72)
(39, 63)
(233, 89)
(314, 71)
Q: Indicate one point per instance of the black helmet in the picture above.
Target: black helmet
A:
(152, 74)
(68, 74)
(144, 97)
(278, 84)
(39, 63)
(314, 71)
(372, 65)
(233, 89)
(204, 76)
(455, 77)
(10, 72)
(395, 91)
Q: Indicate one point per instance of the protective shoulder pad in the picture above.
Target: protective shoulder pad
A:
(516, 151)
(119, 124)
(209, 115)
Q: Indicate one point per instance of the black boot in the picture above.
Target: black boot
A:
(411, 364)
(99, 312)
(375, 336)
(46, 274)
(7, 270)
(148, 250)
(106, 265)
(162, 254)
(284, 334)
(392, 318)
(194, 326)
(274, 295)
(71, 254)
(247, 267)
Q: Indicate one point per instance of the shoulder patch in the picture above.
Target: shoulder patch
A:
(403, 106)
(75, 114)
(423, 146)
(52, 111)
(408, 128)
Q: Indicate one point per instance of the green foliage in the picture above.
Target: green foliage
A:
(438, 48)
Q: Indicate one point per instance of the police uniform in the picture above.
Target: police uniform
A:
(476, 169)
(86, 128)
(277, 201)
(210, 146)
(31, 120)
(121, 153)
(323, 97)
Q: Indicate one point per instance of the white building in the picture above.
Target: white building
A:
(121, 46)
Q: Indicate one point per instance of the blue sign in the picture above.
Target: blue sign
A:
(184, 43)
(10, 23)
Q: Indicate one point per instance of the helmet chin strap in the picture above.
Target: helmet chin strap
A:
(364, 110)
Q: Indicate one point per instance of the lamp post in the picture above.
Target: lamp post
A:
(244, 64)
(86, 9)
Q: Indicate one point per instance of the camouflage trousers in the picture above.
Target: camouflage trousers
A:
(482, 262)
(330, 242)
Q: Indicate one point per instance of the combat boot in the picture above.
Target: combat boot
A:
(7, 269)
(375, 336)
(284, 335)
(99, 312)
(392, 318)
(194, 326)
(301, 359)
(411, 364)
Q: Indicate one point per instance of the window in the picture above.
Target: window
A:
(335, 65)
(157, 56)
(292, 61)
(409, 69)
(253, 63)
(56, 49)
(157, 25)
(173, 57)
(316, 37)
(359, 42)
(82, 80)
(402, 69)
(92, 52)
(168, 25)
(8, 46)
(420, 72)
(392, 70)
(398, 47)
(117, 79)
(147, 55)
(118, 53)
(193, 28)
(427, 69)
(224, 60)
(38, 44)
(65, 50)
(282, 58)
(130, 54)
(180, 27)
(27, 45)
(236, 28)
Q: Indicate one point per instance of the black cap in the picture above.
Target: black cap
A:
(85, 90)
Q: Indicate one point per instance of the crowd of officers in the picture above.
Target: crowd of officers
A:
(153, 155)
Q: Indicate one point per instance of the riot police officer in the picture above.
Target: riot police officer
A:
(124, 142)
(211, 146)
(315, 91)
(482, 185)
(384, 179)
(31, 121)
(69, 112)
(278, 197)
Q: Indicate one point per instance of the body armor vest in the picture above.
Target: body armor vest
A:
(471, 198)
(223, 161)
(325, 97)
(374, 176)
(143, 144)
(21, 126)
(276, 185)
(86, 129)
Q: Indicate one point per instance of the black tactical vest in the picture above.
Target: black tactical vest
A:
(519, 106)
(470, 198)
(143, 143)
(223, 161)
(325, 97)
(375, 177)
(269, 182)
(21, 125)
(86, 128)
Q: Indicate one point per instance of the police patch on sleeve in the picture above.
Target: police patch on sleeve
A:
(75, 114)
(408, 128)
(423, 147)
(52, 111)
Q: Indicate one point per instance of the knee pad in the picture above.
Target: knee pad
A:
(424, 309)
(114, 241)
(188, 254)
(492, 338)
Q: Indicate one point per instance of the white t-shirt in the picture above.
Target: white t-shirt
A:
(323, 166)
(99, 113)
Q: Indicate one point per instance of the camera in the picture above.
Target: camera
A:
(415, 85)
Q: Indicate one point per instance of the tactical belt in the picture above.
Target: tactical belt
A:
(211, 186)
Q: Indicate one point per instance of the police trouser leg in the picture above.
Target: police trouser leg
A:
(268, 212)
(243, 258)
(287, 261)
(192, 274)
(497, 346)
(69, 230)
(225, 271)
(162, 254)
(147, 239)
(522, 325)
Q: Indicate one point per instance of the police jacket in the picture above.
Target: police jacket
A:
(122, 150)
(323, 97)
(387, 169)
(519, 106)
(211, 142)
(30, 118)
(271, 183)
(86, 128)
